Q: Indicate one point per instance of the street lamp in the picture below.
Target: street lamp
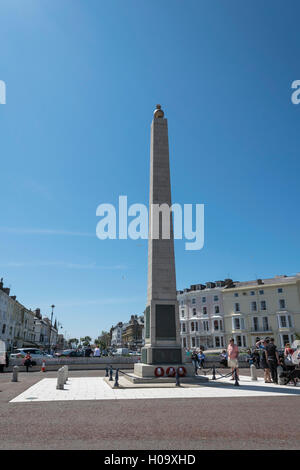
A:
(52, 306)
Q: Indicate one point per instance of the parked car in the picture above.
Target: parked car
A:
(34, 353)
(70, 353)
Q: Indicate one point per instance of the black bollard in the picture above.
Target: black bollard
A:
(236, 383)
(116, 384)
(177, 379)
(106, 373)
(213, 373)
(111, 373)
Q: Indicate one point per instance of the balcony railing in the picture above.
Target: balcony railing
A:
(261, 330)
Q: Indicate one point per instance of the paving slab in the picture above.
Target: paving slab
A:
(96, 388)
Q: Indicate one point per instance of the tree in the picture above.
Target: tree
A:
(73, 341)
(103, 341)
(86, 340)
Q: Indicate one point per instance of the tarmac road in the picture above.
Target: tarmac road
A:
(175, 424)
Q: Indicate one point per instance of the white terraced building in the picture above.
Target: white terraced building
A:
(201, 314)
(247, 311)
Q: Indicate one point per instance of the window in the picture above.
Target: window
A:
(236, 294)
(255, 324)
(241, 341)
(282, 321)
(217, 341)
(252, 292)
(261, 292)
(216, 298)
(265, 324)
(263, 305)
(290, 321)
(184, 342)
(192, 326)
(183, 327)
(238, 323)
(253, 307)
(281, 303)
(285, 339)
(3, 328)
(204, 299)
(217, 309)
(216, 325)
(193, 342)
(193, 301)
(237, 307)
(182, 313)
(194, 311)
(221, 325)
(205, 326)
(204, 310)
(280, 290)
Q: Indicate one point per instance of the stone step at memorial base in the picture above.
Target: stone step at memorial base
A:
(132, 381)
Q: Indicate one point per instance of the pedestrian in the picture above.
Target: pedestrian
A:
(256, 358)
(97, 352)
(6, 359)
(2, 361)
(288, 357)
(201, 359)
(249, 357)
(233, 354)
(195, 361)
(223, 358)
(261, 344)
(27, 361)
(272, 358)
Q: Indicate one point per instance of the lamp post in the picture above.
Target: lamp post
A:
(52, 306)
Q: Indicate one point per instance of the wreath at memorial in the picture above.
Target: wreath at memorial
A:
(159, 372)
(181, 371)
(171, 372)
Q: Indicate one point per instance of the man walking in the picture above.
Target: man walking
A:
(272, 358)
(233, 354)
(195, 361)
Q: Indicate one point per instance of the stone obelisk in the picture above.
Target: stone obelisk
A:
(162, 330)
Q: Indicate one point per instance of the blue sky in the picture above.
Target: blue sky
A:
(83, 78)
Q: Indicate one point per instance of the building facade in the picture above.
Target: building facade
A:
(21, 327)
(264, 307)
(211, 314)
(201, 315)
(132, 333)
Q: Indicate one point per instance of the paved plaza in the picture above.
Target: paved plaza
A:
(94, 416)
(96, 388)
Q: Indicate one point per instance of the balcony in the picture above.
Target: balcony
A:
(261, 330)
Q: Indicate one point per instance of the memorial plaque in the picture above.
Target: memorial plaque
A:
(166, 356)
(147, 322)
(165, 322)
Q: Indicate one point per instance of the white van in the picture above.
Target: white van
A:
(122, 351)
